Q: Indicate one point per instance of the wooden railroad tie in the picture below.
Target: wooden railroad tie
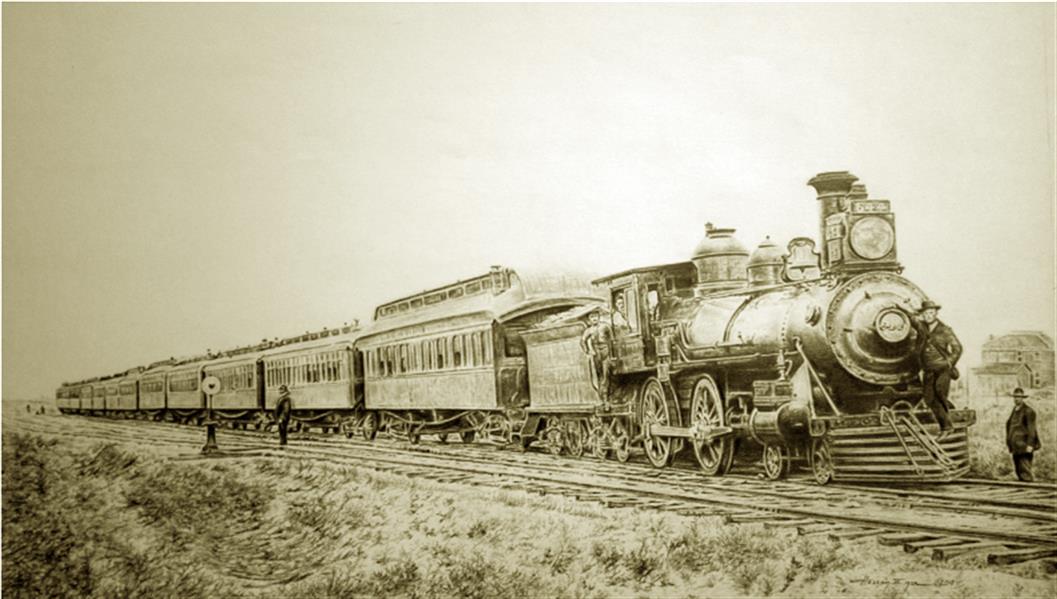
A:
(855, 533)
(1023, 555)
(940, 542)
(901, 538)
(940, 554)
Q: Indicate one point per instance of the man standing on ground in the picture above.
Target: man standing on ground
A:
(1022, 438)
(282, 413)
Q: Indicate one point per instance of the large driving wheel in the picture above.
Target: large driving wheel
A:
(654, 411)
(716, 454)
(821, 460)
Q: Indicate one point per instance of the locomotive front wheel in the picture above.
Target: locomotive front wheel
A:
(775, 462)
(621, 441)
(706, 412)
(655, 412)
(821, 461)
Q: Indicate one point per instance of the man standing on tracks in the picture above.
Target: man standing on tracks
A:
(939, 352)
(282, 413)
(1022, 438)
(595, 343)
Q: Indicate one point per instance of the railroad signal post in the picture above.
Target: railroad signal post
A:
(210, 385)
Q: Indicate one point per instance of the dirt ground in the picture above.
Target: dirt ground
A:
(89, 518)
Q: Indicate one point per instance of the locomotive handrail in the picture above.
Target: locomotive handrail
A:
(928, 442)
(916, 430)
(811, 370)
(886, 413)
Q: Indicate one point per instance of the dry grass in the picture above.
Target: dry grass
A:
(100, 521)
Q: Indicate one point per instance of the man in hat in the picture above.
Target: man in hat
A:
(282, 413)
(939, 351)
(1021, 437)
(595, 343)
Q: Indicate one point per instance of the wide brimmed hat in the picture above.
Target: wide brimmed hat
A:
(1018, 392)
(929, 305)
(283, 388)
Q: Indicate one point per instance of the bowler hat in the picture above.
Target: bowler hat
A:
(929, 305)
(283, 388)
(1018, 392)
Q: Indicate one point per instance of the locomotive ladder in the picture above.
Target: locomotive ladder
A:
(917, 431)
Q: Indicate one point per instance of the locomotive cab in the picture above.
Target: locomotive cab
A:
(638, 301)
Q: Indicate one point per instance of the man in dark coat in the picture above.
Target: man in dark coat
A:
(595, 343)
(1022, 438)
(282, 412)
(939, 351)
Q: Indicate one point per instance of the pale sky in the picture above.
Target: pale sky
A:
(184, 177)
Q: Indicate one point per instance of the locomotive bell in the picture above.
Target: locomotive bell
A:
(766, 264)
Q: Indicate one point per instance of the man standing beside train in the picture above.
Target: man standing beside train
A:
(939, 352)
(282, 413)
(1022, 438)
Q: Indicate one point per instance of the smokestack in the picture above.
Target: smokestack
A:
(831, 187)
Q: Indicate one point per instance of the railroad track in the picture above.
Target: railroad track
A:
(1010, 523)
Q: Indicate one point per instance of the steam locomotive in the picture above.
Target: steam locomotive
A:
(789, 358)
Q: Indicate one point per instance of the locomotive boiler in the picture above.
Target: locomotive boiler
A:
(812, 356)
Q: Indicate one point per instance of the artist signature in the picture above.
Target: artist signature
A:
(903, 582)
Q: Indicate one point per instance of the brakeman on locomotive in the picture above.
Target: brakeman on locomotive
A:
(783, 358)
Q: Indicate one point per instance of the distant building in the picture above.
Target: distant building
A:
(1017, 359)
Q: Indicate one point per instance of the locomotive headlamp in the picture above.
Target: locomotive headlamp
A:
(892, 325)
(872, 238)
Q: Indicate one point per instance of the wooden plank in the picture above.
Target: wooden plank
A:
(856, 534)
(940, 554)
(940, 542)
(1014, 557)
(750, 518)
(797, 522)
(899, 539)
(813, 529)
